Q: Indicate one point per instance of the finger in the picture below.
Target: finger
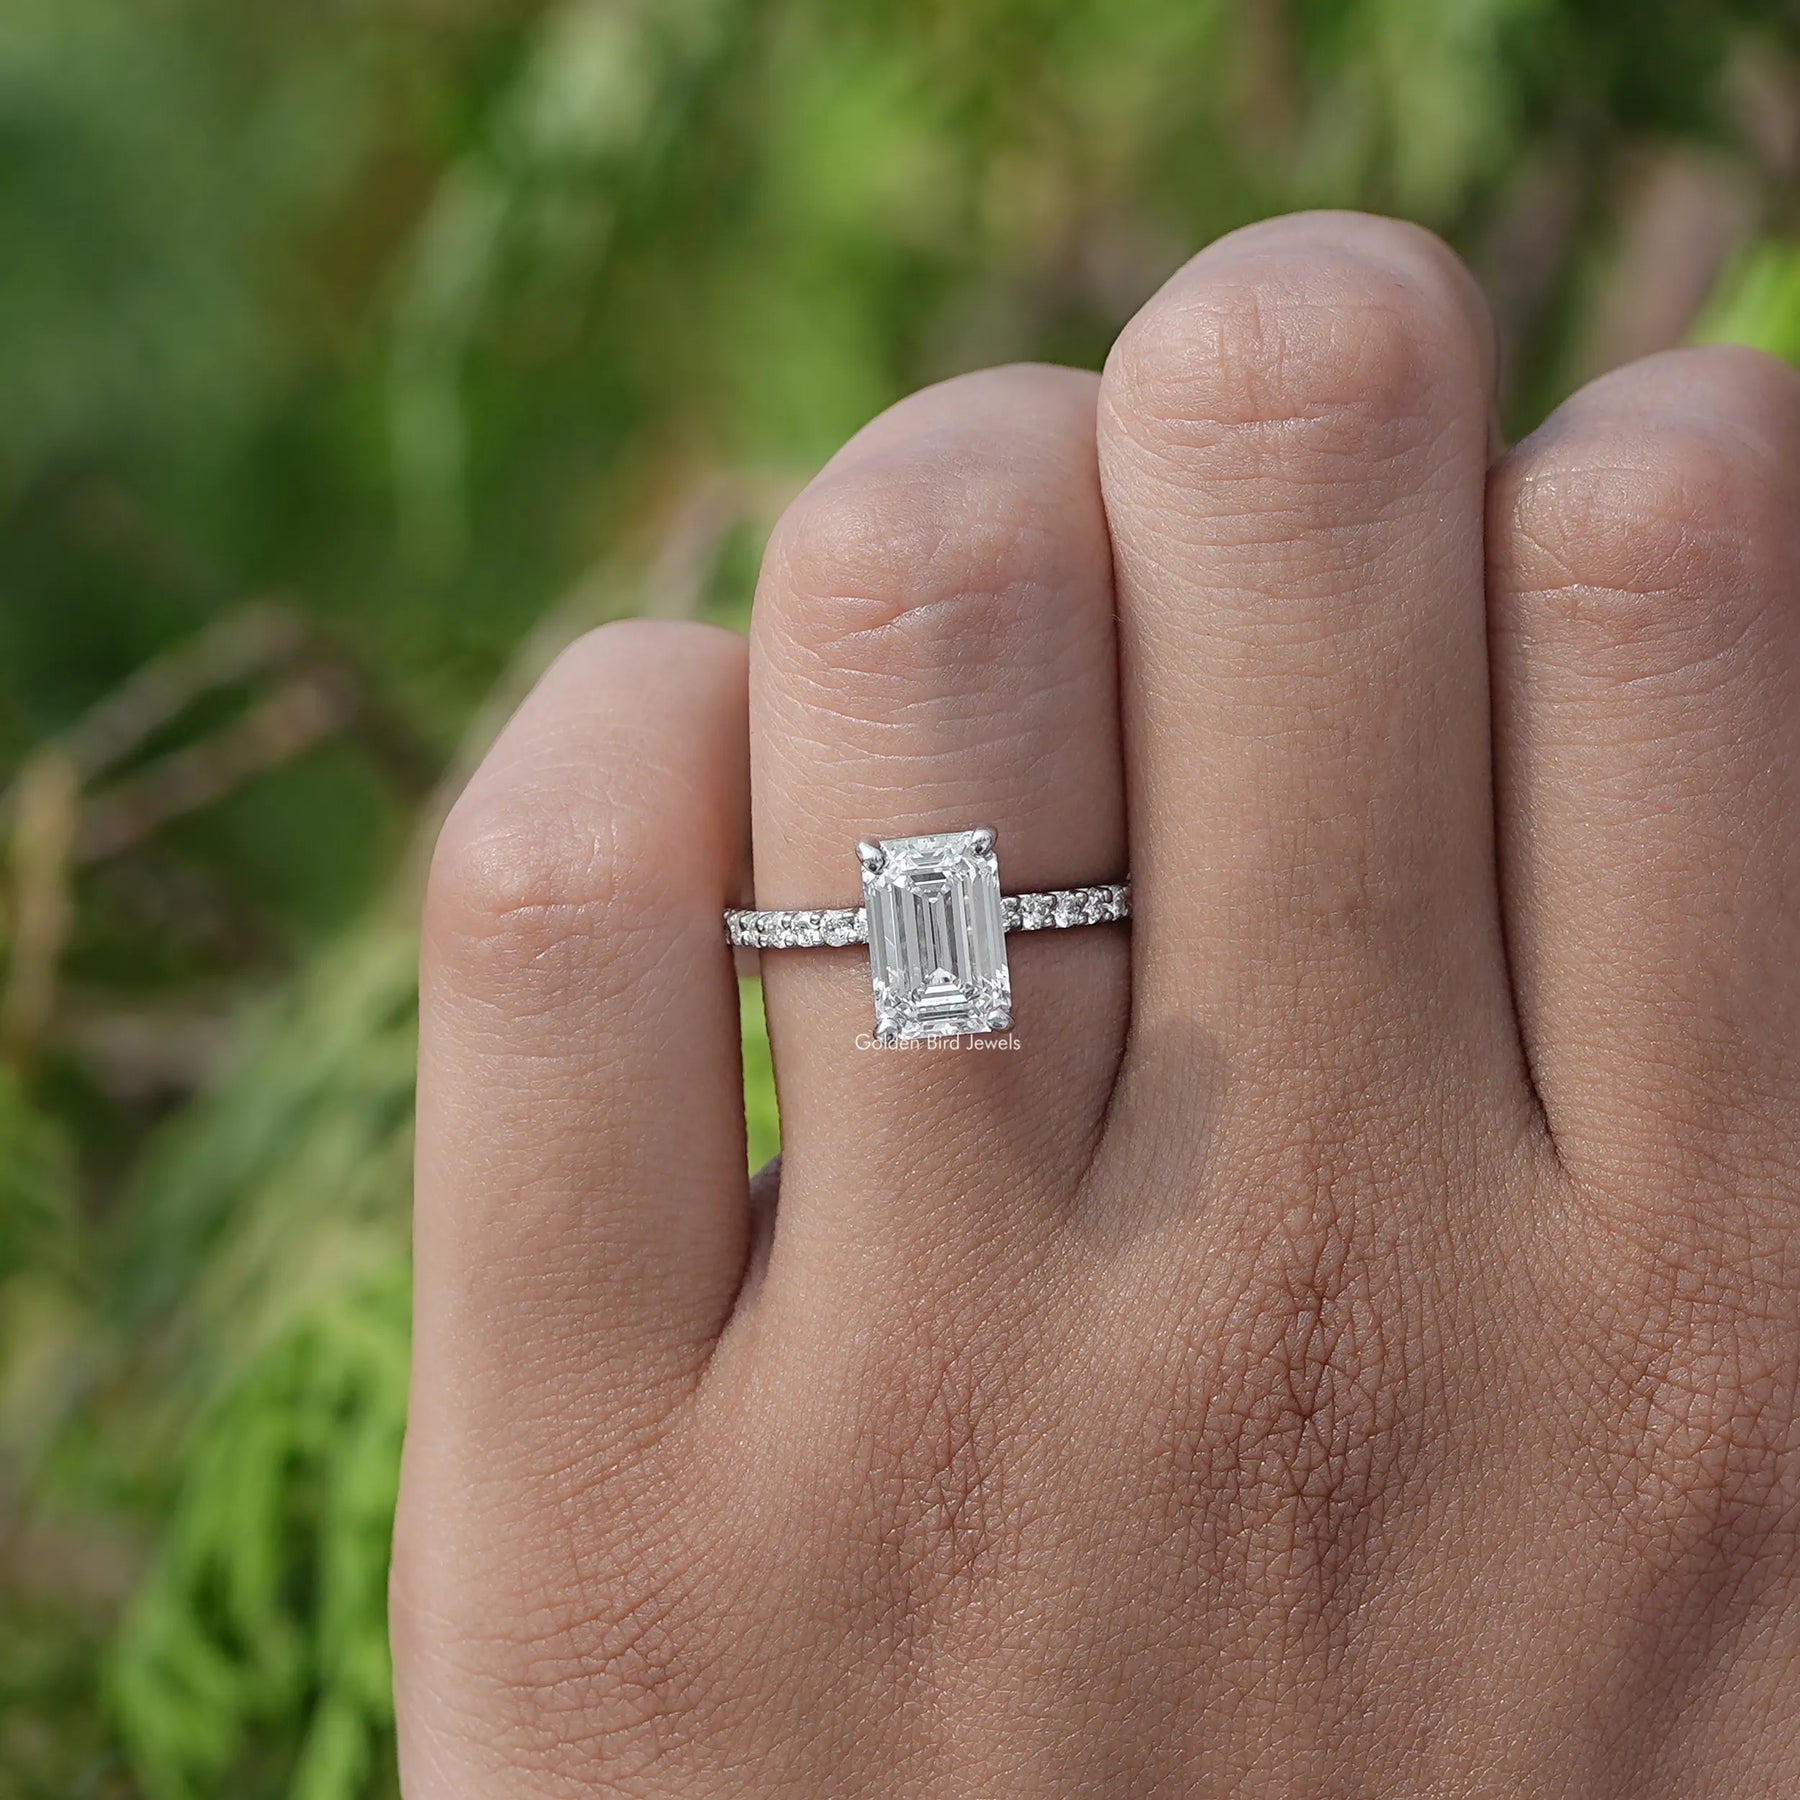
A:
(933, 651)
(1293, 442)
(581, 1210)
(1647, 681)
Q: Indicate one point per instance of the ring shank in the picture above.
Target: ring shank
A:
(835, 928)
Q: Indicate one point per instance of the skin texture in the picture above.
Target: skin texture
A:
(1352, 1346)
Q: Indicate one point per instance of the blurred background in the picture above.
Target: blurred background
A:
(354, 354)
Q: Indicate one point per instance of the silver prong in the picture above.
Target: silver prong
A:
(871, 855)
(985, 837)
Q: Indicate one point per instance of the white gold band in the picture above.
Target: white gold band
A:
(837, 928)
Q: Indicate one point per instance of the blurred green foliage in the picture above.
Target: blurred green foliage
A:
(354, 355)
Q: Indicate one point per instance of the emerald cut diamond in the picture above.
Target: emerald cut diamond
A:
(937, 936)
(935, 922)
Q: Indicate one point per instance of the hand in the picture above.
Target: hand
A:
(1352, 1345)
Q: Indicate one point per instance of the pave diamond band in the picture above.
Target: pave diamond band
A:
(840, 927)
(936, 924)
(798, 928)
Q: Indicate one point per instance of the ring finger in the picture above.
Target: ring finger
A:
(933, 650)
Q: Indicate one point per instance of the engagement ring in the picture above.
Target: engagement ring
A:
(935, 922)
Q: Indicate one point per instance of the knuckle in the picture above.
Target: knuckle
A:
(933, 1415)
(1645, 515)
(941, 1480)
(956, 1491)
(540, 1678)
(1669, 537)
(526, 880)
(1328, 355)
(592, 822)
(882, 563)
(615, 1695)
(1308, 1412)
(1306, 1398)
(1697, 1399)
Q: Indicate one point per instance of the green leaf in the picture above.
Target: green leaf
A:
(1757, 302)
